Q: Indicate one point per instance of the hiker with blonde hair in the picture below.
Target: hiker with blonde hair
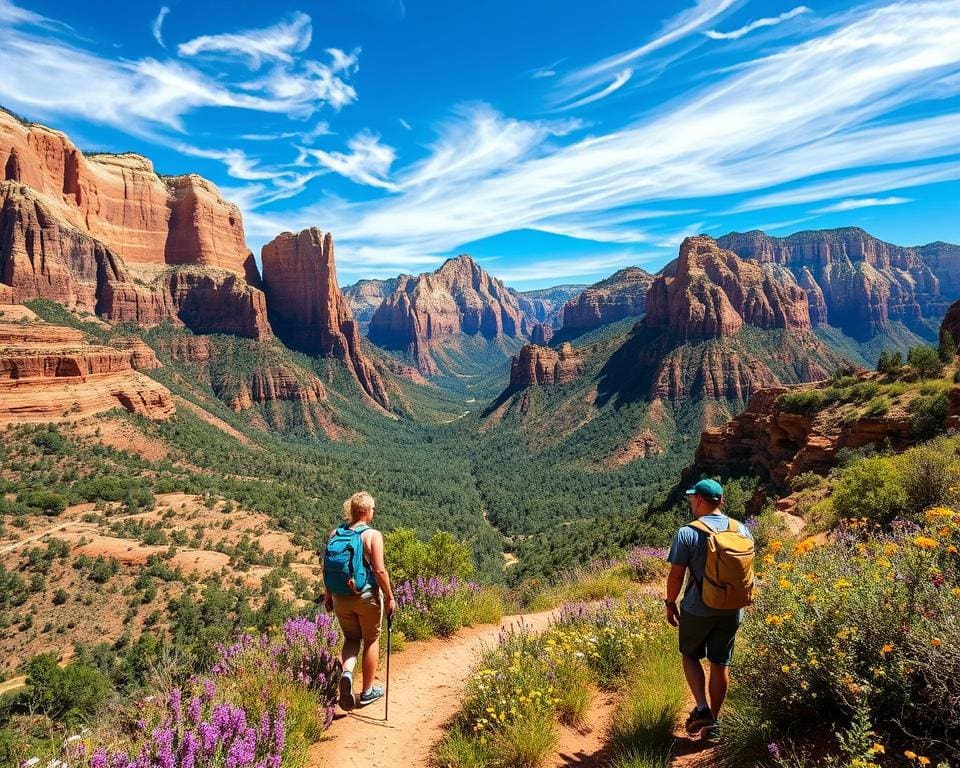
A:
(357, 589)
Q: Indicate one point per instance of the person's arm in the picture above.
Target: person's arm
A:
(380, 571)
(327, 596)
(674, 585)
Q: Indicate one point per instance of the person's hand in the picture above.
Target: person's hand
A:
(391, 607)
(673, 615)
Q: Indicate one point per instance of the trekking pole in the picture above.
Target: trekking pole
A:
(386, 695)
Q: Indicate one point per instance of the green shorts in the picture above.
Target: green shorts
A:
(710, 636)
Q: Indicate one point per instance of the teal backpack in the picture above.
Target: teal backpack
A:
(344, 570)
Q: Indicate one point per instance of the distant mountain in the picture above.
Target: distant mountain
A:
(865, 287)
(546, 304)
(430, 315)
(623, 294)
(364, 296)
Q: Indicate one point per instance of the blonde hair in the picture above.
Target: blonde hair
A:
(357, 505)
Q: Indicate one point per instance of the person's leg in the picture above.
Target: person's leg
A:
(696, 680)
(719, 682)
(349, 653)
(343, 607)
(371, 619)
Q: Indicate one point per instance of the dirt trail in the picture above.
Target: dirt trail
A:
(690, 751)
(13, 684)
(584, 746)
(426, 683)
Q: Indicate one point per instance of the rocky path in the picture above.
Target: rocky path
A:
(426, 684)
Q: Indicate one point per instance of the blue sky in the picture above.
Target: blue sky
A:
(556, 141)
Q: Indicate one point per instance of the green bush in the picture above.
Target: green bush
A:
(803, 400)
(928, 413)
(871, 487)
(407, 557)
(71, 694)
(925, 361)
(48, 502)
(878, 406)
(889, 362)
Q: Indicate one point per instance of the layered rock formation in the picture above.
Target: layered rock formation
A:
(106, 234)
(718, 327)
(623, 294)
(859, 283)
(306, 307)
(460, 298)
(48, 373)
(542, 366)
(711, 293)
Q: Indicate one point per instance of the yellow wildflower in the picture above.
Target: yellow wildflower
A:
(776, 546)
(910, 755)
(804, 546)
(877, 749)
(890, 548)
(887, 648)
(924, 542)
(785, 584)
(935, 512)
(842, 584)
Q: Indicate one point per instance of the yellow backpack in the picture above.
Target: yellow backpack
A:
(728, 577)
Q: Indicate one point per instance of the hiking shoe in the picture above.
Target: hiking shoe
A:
(699, 719)
(711, 734)
(346, 700)
(371, 696)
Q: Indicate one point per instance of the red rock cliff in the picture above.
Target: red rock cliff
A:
(543, 366)
(306, 307)
(459, 298)
(623, 294)
(857, 282)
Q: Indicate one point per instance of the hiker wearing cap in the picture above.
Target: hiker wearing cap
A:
(357, 588)
(714, 556)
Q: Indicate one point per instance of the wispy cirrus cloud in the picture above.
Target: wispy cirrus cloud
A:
(156, 28)
(842, 103)
(367, 161)
(280, 42)
(862, 202)
(768, 21)
(618, 82)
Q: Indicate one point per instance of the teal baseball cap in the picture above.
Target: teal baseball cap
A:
(708, 489)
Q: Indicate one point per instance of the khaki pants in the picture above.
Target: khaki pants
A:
(360, 616)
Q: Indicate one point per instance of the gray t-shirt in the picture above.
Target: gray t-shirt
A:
(689, 549)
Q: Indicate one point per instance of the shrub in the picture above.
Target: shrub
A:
(947, 349)
(890, 361)
(48, 502)
(878, 406)
(647, 563)
(70, 694)
(925, 361)
(434, 606)
(443, 556)
(871, 488)
(805, 481)
(928, 413)
(803, 400)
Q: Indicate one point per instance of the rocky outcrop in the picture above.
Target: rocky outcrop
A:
(623, 294)
(951, 322)
(306, 307)
(541, 334)
(48, 373)
(543, 366)
(768, 441)
(459, 298)
(718, 328)
(120, 201)
(107, 235)
(711, 293)
(855, 281)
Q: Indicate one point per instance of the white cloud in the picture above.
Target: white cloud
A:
(405, 124)
(768, 21)
(50, 77)
(157, 27)
(280, 42)
(862, 202)
(842, 103)
(541, 73)
(560, 269)
(368, 161)
(619, 81)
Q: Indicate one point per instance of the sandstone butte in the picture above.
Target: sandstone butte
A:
(48, 373)
(365, 296)
(623, 294)
(307, 309)
(106, 234)
(855, 281)
(709, 294)
(458, 298)
(542, 366)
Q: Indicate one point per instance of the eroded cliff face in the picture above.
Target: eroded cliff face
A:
(718, 327)
(623, 294)
(107, 235)
(306, 307)
(120, 201)
(546, 305)
(855, 281)
(49, 373)
(459, 298)
(365, 296)
(536, 365)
